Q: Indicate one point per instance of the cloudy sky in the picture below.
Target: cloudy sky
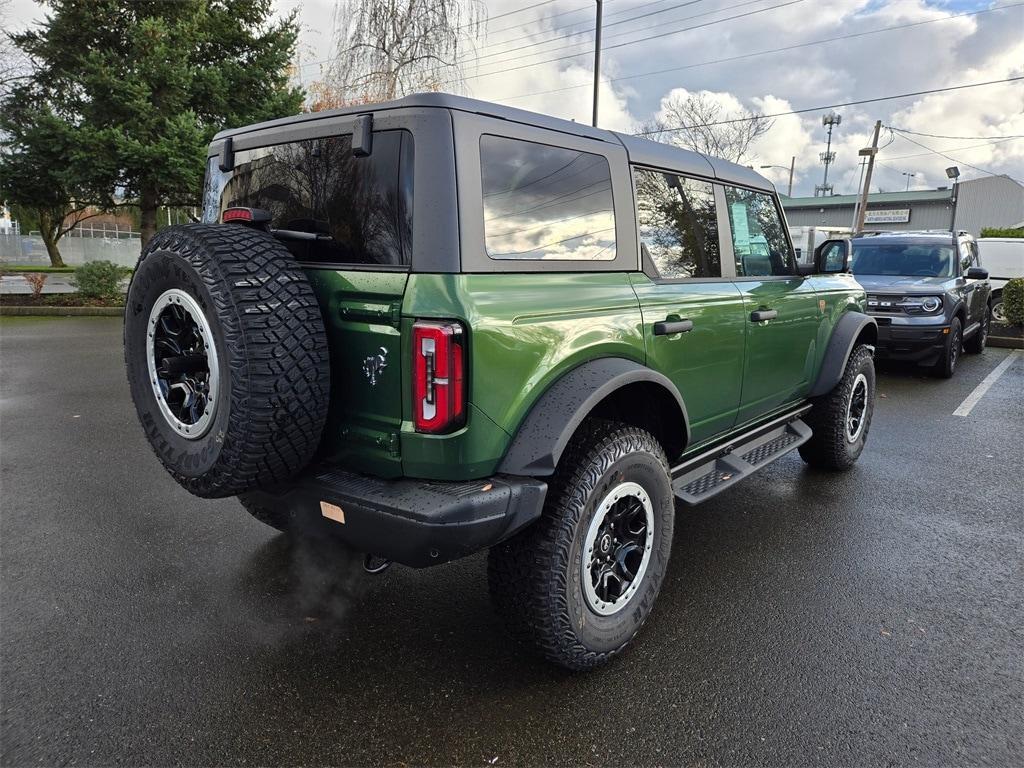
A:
(540, 59)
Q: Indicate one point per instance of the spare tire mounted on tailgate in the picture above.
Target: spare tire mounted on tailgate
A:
(227, 358)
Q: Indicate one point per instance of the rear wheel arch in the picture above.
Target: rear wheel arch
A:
(609, 388)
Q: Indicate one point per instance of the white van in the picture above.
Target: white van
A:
(1003, 257)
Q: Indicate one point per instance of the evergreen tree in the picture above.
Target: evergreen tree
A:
(155, 79)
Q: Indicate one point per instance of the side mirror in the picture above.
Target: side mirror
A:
(977, 273)
(833, 256)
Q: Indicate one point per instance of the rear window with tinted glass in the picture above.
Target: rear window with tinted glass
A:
(545, 202)
(326, 204)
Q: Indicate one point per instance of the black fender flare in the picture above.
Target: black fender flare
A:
(555, 416)
(840, 346)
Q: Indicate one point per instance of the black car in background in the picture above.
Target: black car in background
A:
(929, 295)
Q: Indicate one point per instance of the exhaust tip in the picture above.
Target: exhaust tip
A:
(375, 563)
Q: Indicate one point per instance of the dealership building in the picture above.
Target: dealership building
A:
(992, 201)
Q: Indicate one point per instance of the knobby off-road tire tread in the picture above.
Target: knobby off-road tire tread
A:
(527, 575)
(275, 518)
(276, 349)
(827, 447)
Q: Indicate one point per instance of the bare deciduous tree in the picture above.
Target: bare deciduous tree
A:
(388, 48)
(12, 62)
(700, 123)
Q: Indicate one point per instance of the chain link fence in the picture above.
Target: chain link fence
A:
(77, 247)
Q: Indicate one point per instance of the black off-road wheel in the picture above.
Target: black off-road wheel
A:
(946, 366)
(226, 357)
(579, 583)
(841, 419)
(976, 344)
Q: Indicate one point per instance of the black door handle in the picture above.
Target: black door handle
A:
(760, 315)
(668, 327)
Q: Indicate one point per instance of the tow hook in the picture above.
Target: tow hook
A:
(375, 563)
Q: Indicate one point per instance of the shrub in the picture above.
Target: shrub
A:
(1005, 232)
(36, 281)
(1013, 301)
(100, 279)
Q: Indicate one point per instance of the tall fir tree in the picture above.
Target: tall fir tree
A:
(155, 79)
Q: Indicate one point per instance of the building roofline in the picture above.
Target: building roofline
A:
(874, 197)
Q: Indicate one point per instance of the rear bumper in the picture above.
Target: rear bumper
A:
(414, 522)
(920, 344)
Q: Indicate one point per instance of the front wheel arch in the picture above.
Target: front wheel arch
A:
(852, 329)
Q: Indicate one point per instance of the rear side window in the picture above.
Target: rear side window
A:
(325, 204)
(544, 202)
(678, 225)
(758, 238)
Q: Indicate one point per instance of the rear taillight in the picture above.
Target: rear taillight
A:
(438, 376)
(249, 216)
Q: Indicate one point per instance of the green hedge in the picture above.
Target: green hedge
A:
(996, 232)
(100, 279)
(1013, 301)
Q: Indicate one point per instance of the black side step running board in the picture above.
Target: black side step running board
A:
(709, 473)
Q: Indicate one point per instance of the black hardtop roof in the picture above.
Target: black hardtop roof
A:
(640, 150)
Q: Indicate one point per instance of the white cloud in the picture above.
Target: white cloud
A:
(950, 51)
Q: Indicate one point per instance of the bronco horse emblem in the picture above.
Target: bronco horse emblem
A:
(374, 365)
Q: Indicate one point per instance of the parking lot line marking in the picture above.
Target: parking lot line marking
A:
(972, 399)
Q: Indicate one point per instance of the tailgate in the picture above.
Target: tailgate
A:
(362, 312)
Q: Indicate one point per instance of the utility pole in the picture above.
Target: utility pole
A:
(856, 205)
(870, 152)
(597, 57)
(792, 165)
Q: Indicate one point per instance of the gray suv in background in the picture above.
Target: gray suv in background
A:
(927, 292)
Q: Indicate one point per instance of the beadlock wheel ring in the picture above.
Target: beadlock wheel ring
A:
(856, 408)
(181, 362)
(617, 549)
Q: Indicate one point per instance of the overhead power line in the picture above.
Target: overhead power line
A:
(570, 25)
(576, 34)
(953, 159)
(823, 107)
(962, 138)
(632, 42)
(513, 12)
(588, 45)
(588, 7)
(753, 54)
(957, 149)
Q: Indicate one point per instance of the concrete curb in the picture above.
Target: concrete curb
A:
(1006, 336)
(1006, 341)
(61, 311)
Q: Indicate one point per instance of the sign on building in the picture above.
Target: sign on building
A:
(887, 216)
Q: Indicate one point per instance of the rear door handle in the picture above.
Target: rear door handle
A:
(668, 327)
(760, 315)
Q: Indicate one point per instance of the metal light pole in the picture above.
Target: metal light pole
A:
(953, 172)
(792, 165)
(909, 177)
(597, 57)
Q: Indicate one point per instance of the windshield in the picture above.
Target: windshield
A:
(921, 259)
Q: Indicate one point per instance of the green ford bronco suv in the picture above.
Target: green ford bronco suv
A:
(435, 326)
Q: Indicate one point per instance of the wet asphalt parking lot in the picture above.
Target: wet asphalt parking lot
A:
(868, 618)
